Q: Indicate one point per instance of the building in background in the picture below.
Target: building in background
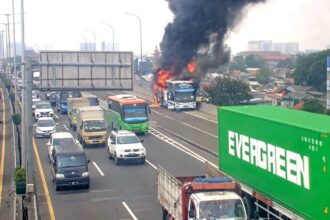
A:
(106, 46)
(87, 46)
(260, 45)
(268, 45)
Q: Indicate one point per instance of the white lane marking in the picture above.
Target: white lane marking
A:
(156, 112)
(98, 169)
(56, 116)
(152, 165)
(66, 128)
(177, 145)
(205, 132)
(129, 211)
(213, 121)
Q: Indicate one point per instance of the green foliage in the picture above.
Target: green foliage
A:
(254, 61)
(16, 119)
(314, 105)
(20, 175)
(311, 70)
(264, 75)
(287, 63)
(229, 92)
(238, 63)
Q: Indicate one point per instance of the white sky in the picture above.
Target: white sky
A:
(62, 24)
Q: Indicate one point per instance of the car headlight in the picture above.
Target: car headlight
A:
(59, 176)
(38, 129)
(85, 174)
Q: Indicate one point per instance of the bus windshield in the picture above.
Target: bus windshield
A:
(136, 113)
(184, 96)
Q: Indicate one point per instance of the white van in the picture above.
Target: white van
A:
(36, 78)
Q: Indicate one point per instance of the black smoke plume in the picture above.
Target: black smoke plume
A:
(199, 27)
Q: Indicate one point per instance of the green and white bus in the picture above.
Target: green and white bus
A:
(127, 112)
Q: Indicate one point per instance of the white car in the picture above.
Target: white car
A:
(34, 103)
(60, 138)
(124, 145)
(45, 127)
(43, 109)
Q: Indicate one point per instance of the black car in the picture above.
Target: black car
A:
(52, 99)
(69, 166)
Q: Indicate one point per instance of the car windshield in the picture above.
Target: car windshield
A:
(43, 106)
(95, 125)
(63, 141)
(222, 209)
(73, 160)
(93, 101)
(128, 140)
(46, 123)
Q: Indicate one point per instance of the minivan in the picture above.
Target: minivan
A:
(69, 167)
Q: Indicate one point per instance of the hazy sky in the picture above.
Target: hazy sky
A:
(62, 24)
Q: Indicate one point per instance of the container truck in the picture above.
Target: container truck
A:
(198, 197)
(91, 127)
(73, 105)
(280, 157)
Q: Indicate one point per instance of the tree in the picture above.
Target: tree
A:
(314, 105)
(238, 63)
(254, 61)
(229, 92)
(311, 70)
(264, 75)
(287, 63)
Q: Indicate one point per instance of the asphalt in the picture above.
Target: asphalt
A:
(7, 158)
(178, 141)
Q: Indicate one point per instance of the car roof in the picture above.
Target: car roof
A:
(62, 135)
(68, 149)
(43, 103)
(45, 118)
(124, 133)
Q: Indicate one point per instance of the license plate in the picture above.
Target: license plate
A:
(73, 183)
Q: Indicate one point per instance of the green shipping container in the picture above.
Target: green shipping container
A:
(281, 153)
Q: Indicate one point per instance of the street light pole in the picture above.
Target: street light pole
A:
(15, 70)
(136, 16)
(3, 47)
(8, 49)
(94, 38)
(113, 35)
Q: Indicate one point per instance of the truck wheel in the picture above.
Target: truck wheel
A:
(248, 203)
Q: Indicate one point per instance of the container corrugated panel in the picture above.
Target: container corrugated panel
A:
(169, 192)
(281, 153)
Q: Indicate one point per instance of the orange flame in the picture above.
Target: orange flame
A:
(191, 66)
